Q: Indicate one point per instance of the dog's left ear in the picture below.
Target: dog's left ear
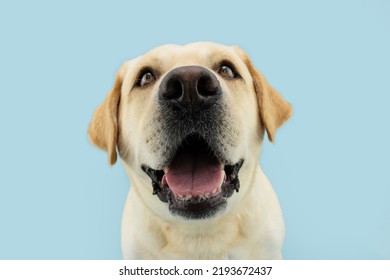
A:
(274, 109)
(103, 129)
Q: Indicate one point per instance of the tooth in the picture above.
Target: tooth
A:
(164, 180)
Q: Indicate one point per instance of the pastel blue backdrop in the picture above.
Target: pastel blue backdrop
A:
(330, 164)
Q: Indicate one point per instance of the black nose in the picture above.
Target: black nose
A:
(190, 87)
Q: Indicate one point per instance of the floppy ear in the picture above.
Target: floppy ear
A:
(103, 129)
(274, 109)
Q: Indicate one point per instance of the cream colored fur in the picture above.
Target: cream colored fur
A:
(252, 225)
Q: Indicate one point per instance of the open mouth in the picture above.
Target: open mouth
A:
(195, 183)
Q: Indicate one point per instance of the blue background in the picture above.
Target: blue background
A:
(330, 164)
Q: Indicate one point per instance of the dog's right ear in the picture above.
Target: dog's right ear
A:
(103, 129)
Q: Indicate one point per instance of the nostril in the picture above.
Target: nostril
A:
(173, 89)
(189, 87)
(206, 86)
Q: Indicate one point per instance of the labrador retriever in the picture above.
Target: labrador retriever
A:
(188, 124)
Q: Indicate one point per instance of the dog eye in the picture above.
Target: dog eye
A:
(145, 79)
(226, 72)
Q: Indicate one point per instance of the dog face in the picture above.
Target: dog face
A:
(188, 122)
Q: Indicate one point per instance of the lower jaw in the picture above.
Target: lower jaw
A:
(196, 210)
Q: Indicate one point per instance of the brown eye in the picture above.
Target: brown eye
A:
(145, 79)
(226, 72)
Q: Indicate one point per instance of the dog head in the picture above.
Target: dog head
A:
(192, 118)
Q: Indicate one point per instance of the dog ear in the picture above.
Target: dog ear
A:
(103, 129)
(274, 109)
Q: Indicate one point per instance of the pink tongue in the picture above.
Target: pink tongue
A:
(194, 174)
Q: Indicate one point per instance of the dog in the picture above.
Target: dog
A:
(188, 122)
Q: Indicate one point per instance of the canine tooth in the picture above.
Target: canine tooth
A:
(164, 181)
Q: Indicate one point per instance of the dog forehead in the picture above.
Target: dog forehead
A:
(167, 57)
